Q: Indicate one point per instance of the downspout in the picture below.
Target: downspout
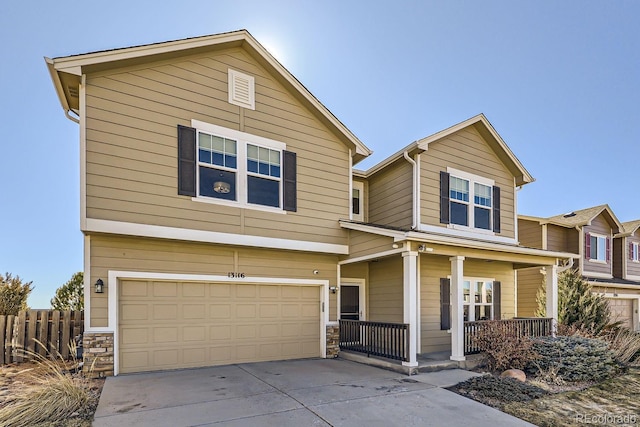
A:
(415, 190)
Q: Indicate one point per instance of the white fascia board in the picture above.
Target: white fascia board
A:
(161, 232)
(480, 244)
(398, 235)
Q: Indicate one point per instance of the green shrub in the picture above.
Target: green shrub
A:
(497, 391)
(501, 348)
(574, 358)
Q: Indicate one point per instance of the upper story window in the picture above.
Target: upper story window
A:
(357, 201)
(470, 201)
(235, 168)
(634, 252)
(597, 247)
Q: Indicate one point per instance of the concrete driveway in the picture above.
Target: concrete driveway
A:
(311, 392)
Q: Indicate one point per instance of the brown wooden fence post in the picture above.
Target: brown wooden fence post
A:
(66, 332)
(43, 333)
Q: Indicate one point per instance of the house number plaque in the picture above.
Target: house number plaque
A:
(235, 275)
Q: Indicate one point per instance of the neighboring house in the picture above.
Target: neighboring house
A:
(222, 214)
(608, 257)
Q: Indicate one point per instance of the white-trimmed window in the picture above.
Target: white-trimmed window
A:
(597, 247)
(357, 201)
(238, 169)
(470, 200)
(477, 299)
(634, 251)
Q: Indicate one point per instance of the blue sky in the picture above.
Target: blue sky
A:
(559, 80)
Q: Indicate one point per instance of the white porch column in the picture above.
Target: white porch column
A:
(457, 313)
(551, 280)
(410, 292)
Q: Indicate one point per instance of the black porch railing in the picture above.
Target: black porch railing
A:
(390, 340)
(530, 327)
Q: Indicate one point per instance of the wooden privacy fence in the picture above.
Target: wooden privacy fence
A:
(56, 330)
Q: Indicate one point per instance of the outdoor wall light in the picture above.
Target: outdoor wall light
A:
(333, 289)
(424, 248)
(395, 246)
(99, 286)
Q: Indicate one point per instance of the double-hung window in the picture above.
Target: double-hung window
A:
(477, 299)
(470, 200)
(634, 252)
(238, 169)
(597, 247)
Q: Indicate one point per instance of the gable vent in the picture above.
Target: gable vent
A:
(241, 89)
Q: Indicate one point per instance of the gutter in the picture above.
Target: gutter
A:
(57, 84)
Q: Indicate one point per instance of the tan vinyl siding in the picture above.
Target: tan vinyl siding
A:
(467, 151)
(633, 267)
(560, 238)
(391, 195)
(132, 114)
(529, 281)
(361, 244)
(600, 226)
(386, 290)
(530, 233)
(162, 256)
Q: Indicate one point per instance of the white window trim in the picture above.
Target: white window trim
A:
(472, 179)
(242, 139)
(472, 304)
(358, 185)
(636, 251)
(595, 260)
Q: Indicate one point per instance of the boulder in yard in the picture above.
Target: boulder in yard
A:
(514, 373)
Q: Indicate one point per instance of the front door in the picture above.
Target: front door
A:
(350, 308)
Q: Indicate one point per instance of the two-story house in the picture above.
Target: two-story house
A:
(224, 221)
(608, 257)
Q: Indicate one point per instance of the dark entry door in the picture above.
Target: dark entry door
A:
(350, 302)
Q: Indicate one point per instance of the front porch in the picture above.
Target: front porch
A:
(387, 344)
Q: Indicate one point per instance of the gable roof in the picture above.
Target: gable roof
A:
(66, 73)
(629, 228)
(485, 129)
(578, 218)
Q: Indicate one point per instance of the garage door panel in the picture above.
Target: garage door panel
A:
(133, 288)
(194, 333)
(167, 334)
(193, 290)
(194, 311)
(134, 312)
(134, 336)
(165, 312)
(163, 325)
(220, 311)
(246, 291)
(165, 358)
(165, 289)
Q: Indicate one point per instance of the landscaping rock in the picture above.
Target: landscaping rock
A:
(514, 373)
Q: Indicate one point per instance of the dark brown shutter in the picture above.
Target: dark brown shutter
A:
(497, 304)
(290, 199)
(445, 304)
(496, 209)
(444, 198)
(587, 246)
(608, 249)
(186, 161)
(631, 251)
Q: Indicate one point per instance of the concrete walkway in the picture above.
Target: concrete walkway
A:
(312, 392)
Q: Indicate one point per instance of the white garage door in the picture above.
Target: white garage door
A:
(169, 325)
(622, 311)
